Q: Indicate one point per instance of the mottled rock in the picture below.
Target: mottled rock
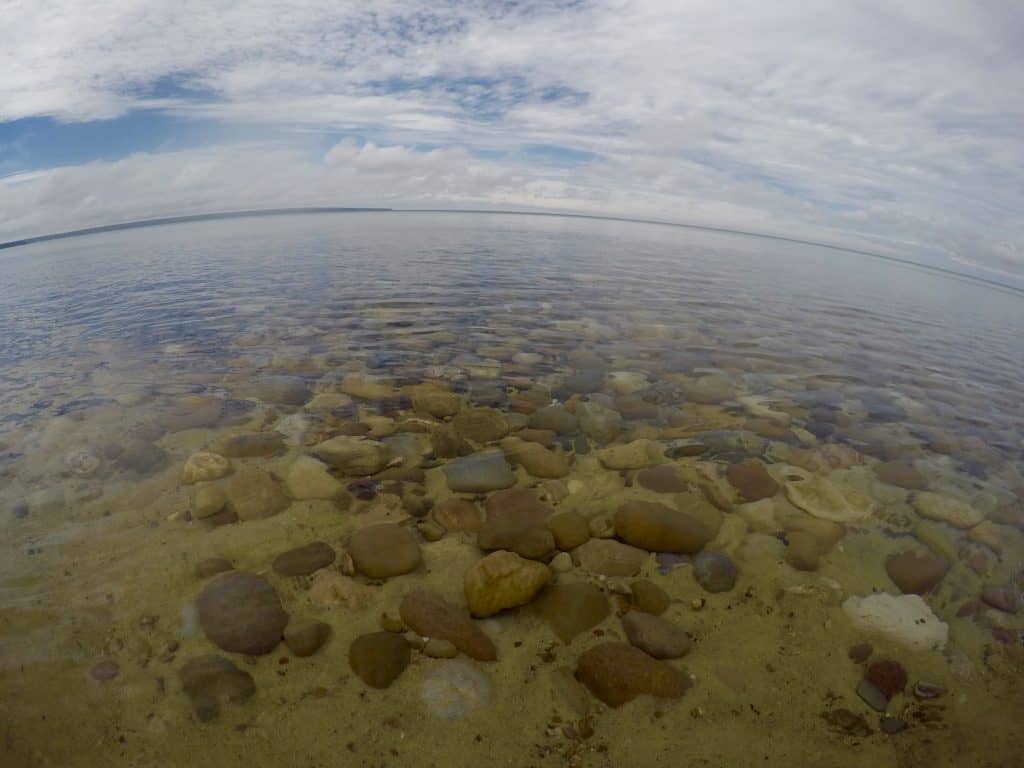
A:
(503, 580)
(204, 466)
(655, 636)
(535, 458)
(211, 566)
(663, 479)
(304, 560)
(435, 401)
(571, 609)
(455, 514)
(648, 597)
(617, 673)
(821, 497)
(240, 612)
(714, 571)
(916, 573)
(304, 638)
(384, 550)
(479, 473)
(430, 615)
(308, 478)
(353, 455)
(570, 530)
(210, 680)
(481, 425)
(249, 445)
(946, 509)
(378, 658)
(658, 528)
(751, 479)
(253, 495)
(635, 455)
(608, 557)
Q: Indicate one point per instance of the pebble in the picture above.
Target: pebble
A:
(602, 526)
(479, 473)
(210, 680)
(430, 531)
(906, 619)
(430, 615)
(241, 613)
(617, 673)
(304, 638)
(658, 528)
(608, 557)
(104, 670)
(353, 455)
(211, 566)
(378, 658)
(924, 690)
(572, 609)
(455, 514)
(648, 597)
(384, 550)
(892, 725)
(304, 560)
(714, 571)
(751, 479)
(248, 445)
(872, 696)
(446, 443)
(503, 580)
(569, 529)
(254, 495)
(916, 573)
(453, 689)
(656, 636)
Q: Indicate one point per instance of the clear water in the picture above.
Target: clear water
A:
(124, 353)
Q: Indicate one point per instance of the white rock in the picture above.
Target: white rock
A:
(905, 619)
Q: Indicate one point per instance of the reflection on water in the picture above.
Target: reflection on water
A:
(714, 474)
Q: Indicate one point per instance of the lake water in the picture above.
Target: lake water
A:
(716, 469)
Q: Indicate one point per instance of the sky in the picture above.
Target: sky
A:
(891, 127)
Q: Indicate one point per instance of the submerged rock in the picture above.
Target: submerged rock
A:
(751, 480)
(204, 466)
(453, 689)
(901, 474)
(714, 571)
(455, 514)
(571, 609)
(353, 455)
(569, 529)
(211, 566)
(481, 425)
(535, 458)
(663, 479)
(253, 495)
(608, 557)
(435, 401)
(820, 497)
(479, 473)
(946, 509)
(658, 528)
(305, 560)
(635, 455)
(906, 620)
(384, 550)
(304, 638)
(599, 423)
(617, 673)
(649, 597)
(308, 478)
(210, 680)
(430, 615)
(916, 573)
(249, 445)
(378, 658)
(656, 636)
(240, 612)
(503, 580)
(554, 417)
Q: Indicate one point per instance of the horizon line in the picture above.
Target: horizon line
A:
(259, 212)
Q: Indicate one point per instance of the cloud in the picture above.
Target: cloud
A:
(852, 119)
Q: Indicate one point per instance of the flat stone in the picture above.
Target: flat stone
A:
(569, 529)
(916, 573)
(378, 658)
(751, 479)
(254, 495)
(249, 445)
(210, 680)
(479, 473)
(635, 455)
(481, 425)
(946, 509)
(453, 689)
(608, 557)
(240, 612)
(714, 571)
(663, 479)
(658, 528)
(384, 550)
(430, 615)
(304, 560)
(204, 466)
(211, 566)
(617, 673)
(649, 597)
(304, 638)
(353, 455)
(503, 580)
(308, 478)
(455, 514)
(572, 609)
(656, 636)
(871, 696)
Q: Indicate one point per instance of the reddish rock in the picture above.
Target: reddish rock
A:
(617, 673)
(430, 615)
(887, 676)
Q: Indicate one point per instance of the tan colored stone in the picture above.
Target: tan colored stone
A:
(204, 466)
(503, 580)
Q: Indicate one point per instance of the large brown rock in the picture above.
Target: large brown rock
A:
(535, 458)
(384, 550)
(455, 514)
(663, 479)
(430, 615)
(916, 574)
(516, 522)
(304, 560)
(617, 673)
(609, 557)
(240, 612)
(571, 609)
(656, 636)
(253, 495)
(379, 658)
(750, 478)
(503, 580)
(658, 528)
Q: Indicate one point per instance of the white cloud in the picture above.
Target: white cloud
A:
(850, 119)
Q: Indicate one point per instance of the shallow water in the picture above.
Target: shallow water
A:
(875, 407)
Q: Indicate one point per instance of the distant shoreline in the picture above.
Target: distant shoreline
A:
(266, 212)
